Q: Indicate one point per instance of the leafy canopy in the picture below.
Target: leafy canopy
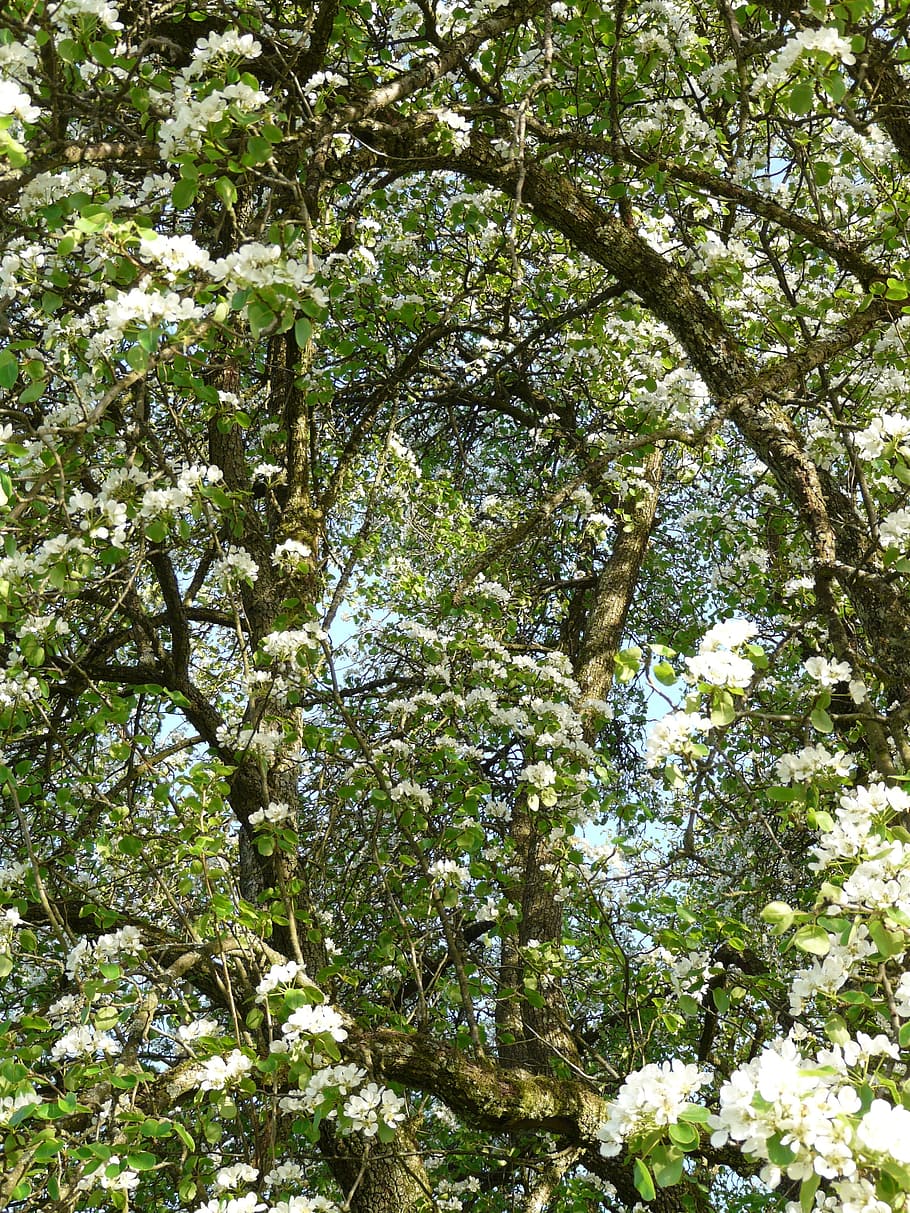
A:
(455, 653)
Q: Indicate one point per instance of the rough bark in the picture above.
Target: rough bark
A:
(378, 1177)
(612, 596)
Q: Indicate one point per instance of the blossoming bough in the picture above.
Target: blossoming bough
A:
(434, 437)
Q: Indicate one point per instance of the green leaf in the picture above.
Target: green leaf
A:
(102, 54)
(627, 662)
(822, 172)
(48, 1149)
(667, 1164)
(785, 795)
(137, 357)
(722, 709)
(186, 1190)
(34, 391)
(185, 1136)
(68, 50)
(226, 191)
(222, 905)
(778, 915)
(721, 999)
(835, 86)
(813, 938)
(664, 673)
(644, 1184)
(888, 943)
(13, 150)
(689, 1006)
(261, 317)
(142, 1160)
(684, 1135)
(778, 1153)
(854, 998)
(836, 1029)
(258, 150)
(800, 98)
(9, 368)
(821, 720)
(807, 1190)
(184, 193)
(303, 331)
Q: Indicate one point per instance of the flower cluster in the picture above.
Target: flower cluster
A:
(286, 648)
(173, 254)
(113, 1175)
(880, 882)
(806, 1112)
(813, 762)
(323, 1089)
(372, 1107)
(407, 789)
(827, 673)
(13, 100)
(717, 662)
(142, 307)
(674, 735)
(887, 433)
(235, 565)
(85, 955)
(853, 829)
(894, 531)
(230, 1177)
(84, 1040)
(277, 976)
(218, 1073)
(256, 265)
(70, 13)
(290, 554)
(653, 1096)
(308, 1023)
(827, 41)
(192, 111)
(276, 814)
(831, 971)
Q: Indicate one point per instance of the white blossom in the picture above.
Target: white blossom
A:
(235, 565)
(371, 1106)
(810, 763)
(719, 668)
(827, 673)
(13, 100)
(728, 634)
(84, 1041)
(652, 1096)
(219, 1072)
(111, 1176)
(828, 41)
(314, 1020)
(894, 531)
(69, 13)
(278, 975)
(230, 1177)
(673, 735)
